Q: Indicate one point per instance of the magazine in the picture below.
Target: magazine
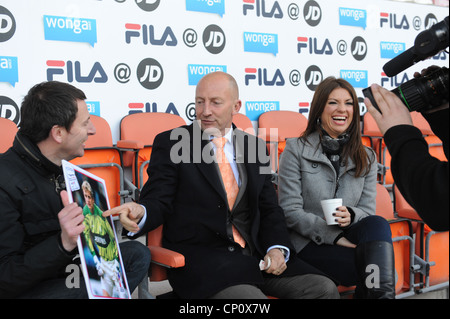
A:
(98, 246)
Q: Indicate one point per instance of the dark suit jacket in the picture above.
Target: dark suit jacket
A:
(184, 192)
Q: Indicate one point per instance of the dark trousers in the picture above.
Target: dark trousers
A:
(340, 262)
(136, 260)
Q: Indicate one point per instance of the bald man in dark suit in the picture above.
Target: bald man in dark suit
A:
(222, 245)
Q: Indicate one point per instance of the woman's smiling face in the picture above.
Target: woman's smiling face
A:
(338, 112)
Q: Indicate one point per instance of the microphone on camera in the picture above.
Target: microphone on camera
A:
(400, 62)
(427, 44)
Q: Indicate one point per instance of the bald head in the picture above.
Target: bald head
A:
(217, 100)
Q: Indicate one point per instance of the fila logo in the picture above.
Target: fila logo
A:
(393, 21)
(73, 72)
(147, 34)
(314, 48)
(260, 7)
(262, 78)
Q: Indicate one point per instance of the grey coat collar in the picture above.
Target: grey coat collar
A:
(313, 151)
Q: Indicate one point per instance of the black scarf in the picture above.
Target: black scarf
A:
(332, 147)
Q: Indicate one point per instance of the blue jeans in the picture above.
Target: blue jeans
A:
(340, 262)
(136, 260)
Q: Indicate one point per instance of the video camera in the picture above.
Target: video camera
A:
(429, 91)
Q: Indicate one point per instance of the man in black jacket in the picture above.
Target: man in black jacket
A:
(421, 178)
(38, 227)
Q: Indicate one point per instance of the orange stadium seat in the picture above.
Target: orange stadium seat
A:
(243, 122)
(276, 126)
(137, 132)
(162, 259)
(402, 240)
(370, 130)
(431, 249)
(434, 143)
(8, 130)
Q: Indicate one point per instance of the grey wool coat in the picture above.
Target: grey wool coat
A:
(306, 176)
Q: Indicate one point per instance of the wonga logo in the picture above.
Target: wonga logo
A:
(261, 9)
(357, 78)
(254, 109)
(70, 29)
(197, 71)
(390, 50)
(7, 24)
(261, 42)
(9, 71)
(72, 71)
(209, 6)
(353, 17)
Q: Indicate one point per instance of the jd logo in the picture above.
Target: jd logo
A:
(7, 24)
(359, 48)
(312, 13)
(148, 5)
(150, 73)
(9, 109)
(313, 77)
(214, 39)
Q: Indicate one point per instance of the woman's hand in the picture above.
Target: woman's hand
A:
(343, 216)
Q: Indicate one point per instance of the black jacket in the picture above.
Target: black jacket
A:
(422, 179)
(30, 244)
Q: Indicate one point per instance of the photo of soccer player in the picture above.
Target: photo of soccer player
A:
(99, 250)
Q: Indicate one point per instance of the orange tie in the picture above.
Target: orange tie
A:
(229, 181)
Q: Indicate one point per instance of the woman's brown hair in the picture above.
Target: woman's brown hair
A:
(353, 149)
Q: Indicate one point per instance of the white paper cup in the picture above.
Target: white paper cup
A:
(329, 207)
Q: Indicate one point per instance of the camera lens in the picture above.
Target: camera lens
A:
(426, 92)
(421, 94)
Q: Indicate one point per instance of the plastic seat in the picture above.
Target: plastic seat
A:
(242, 122)
(8, 130)
(402, 240)
(276, 126)
(103, 159)
(435, 145)
(162, 259)
(431, 249)
(371, 131)
(137, 132)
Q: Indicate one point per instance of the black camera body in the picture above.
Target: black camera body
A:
(424, 93)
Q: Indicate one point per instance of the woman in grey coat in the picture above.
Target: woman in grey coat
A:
(330, 161)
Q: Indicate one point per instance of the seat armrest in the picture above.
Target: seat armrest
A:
(130, 144)
(166, 257)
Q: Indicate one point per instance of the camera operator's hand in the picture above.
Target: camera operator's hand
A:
(393, 110)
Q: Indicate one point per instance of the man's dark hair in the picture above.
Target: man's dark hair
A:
(48, 104)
